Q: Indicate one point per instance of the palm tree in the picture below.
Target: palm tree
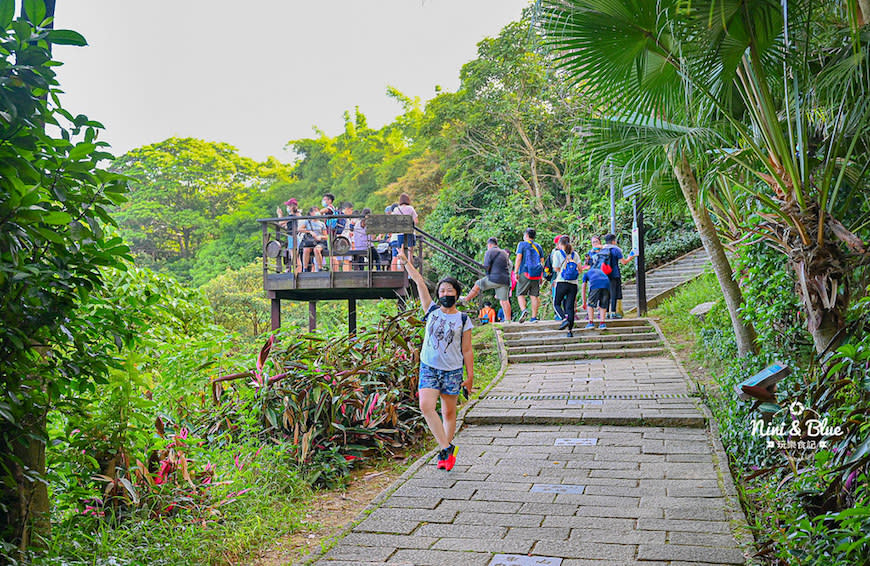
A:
(762, 99)
(627, 55)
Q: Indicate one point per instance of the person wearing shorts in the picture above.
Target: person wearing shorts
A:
(599, 295)
(498, 277)
(529, 274)
(446, 350)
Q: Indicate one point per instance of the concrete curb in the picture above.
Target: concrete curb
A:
(412, 469)
(739, 525)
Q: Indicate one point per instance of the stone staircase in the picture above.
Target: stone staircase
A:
(544, 342)
(662, 281)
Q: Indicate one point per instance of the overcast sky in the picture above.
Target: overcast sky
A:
(259, 73)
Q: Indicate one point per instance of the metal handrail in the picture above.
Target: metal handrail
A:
(451, 251)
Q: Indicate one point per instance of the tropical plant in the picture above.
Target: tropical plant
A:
(757, 111)
(53, 241)
(632, 59)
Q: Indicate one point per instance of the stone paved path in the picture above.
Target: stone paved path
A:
(547, 482)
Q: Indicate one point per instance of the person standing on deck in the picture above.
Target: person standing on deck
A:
(446, 349)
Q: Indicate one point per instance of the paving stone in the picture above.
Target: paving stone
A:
(438, 558)
(461, 531)
(519, 560)
(705, 554)
(499, 519)
(558, 509)
(696, 513)
(387, 526)
(648, 524)
(575, 522)
(393, 541)
(481, 506)
(350, 552)
(598, 551)
(701, 539)
(413, 515)
(539, 533)
(512, 546)
(412, 502)
(617, 512)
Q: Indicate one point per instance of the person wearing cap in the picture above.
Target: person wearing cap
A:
(292, 209)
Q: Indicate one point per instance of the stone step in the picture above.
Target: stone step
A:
(580, 335)
(541, 325)
(570, 347)
(587, 355)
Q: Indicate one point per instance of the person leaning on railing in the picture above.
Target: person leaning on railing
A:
(289, 226)
(313, 237)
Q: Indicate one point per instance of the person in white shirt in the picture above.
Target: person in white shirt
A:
(446, 349)
(566, 262)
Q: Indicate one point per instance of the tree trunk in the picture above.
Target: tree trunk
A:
(25, 498)
(819, 275)
(863, 12)
(743, 331)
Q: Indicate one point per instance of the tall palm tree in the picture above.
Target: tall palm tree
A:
(762, 98)
(628, 55)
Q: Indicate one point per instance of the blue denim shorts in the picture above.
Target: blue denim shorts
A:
(448, 382)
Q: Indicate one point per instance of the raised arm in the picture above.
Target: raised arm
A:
(417, 278)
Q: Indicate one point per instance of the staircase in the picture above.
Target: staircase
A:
(544, 342)
(662, 281)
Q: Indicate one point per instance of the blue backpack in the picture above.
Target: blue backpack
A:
(570, 272)
(532, 261)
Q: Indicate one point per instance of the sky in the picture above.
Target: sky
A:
(260, 73)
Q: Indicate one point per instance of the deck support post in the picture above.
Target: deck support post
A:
(276, 313)
(312, 316)
(351, 316)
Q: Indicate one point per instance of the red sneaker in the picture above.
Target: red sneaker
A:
(451, 457)
(442, 459)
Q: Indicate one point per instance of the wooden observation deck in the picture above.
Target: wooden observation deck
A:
(285, 279)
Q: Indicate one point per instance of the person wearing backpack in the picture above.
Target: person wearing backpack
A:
(530, 271)
(611, 256)
(567, 266)
(550, 274)
(598, 297)
(446, 350)
(498, 276)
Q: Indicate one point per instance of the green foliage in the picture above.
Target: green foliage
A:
(236, 297)
(187, 193)
(55, 236)
(812, 506)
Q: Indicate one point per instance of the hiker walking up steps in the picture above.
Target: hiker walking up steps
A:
(567, 265)
(530, 271)
(446, 348)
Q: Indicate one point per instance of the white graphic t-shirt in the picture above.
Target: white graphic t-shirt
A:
(442, 342)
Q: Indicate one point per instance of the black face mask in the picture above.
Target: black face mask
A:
(447, 301)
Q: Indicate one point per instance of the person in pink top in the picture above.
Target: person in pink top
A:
(407, 240)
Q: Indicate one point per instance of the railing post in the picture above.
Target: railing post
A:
(641, 268)
(312, 316)
(351, 316)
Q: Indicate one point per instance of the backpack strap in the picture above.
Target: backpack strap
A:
(435, 306)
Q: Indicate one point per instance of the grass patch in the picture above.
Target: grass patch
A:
(486, 359)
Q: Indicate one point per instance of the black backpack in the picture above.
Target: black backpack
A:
(549, 272)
